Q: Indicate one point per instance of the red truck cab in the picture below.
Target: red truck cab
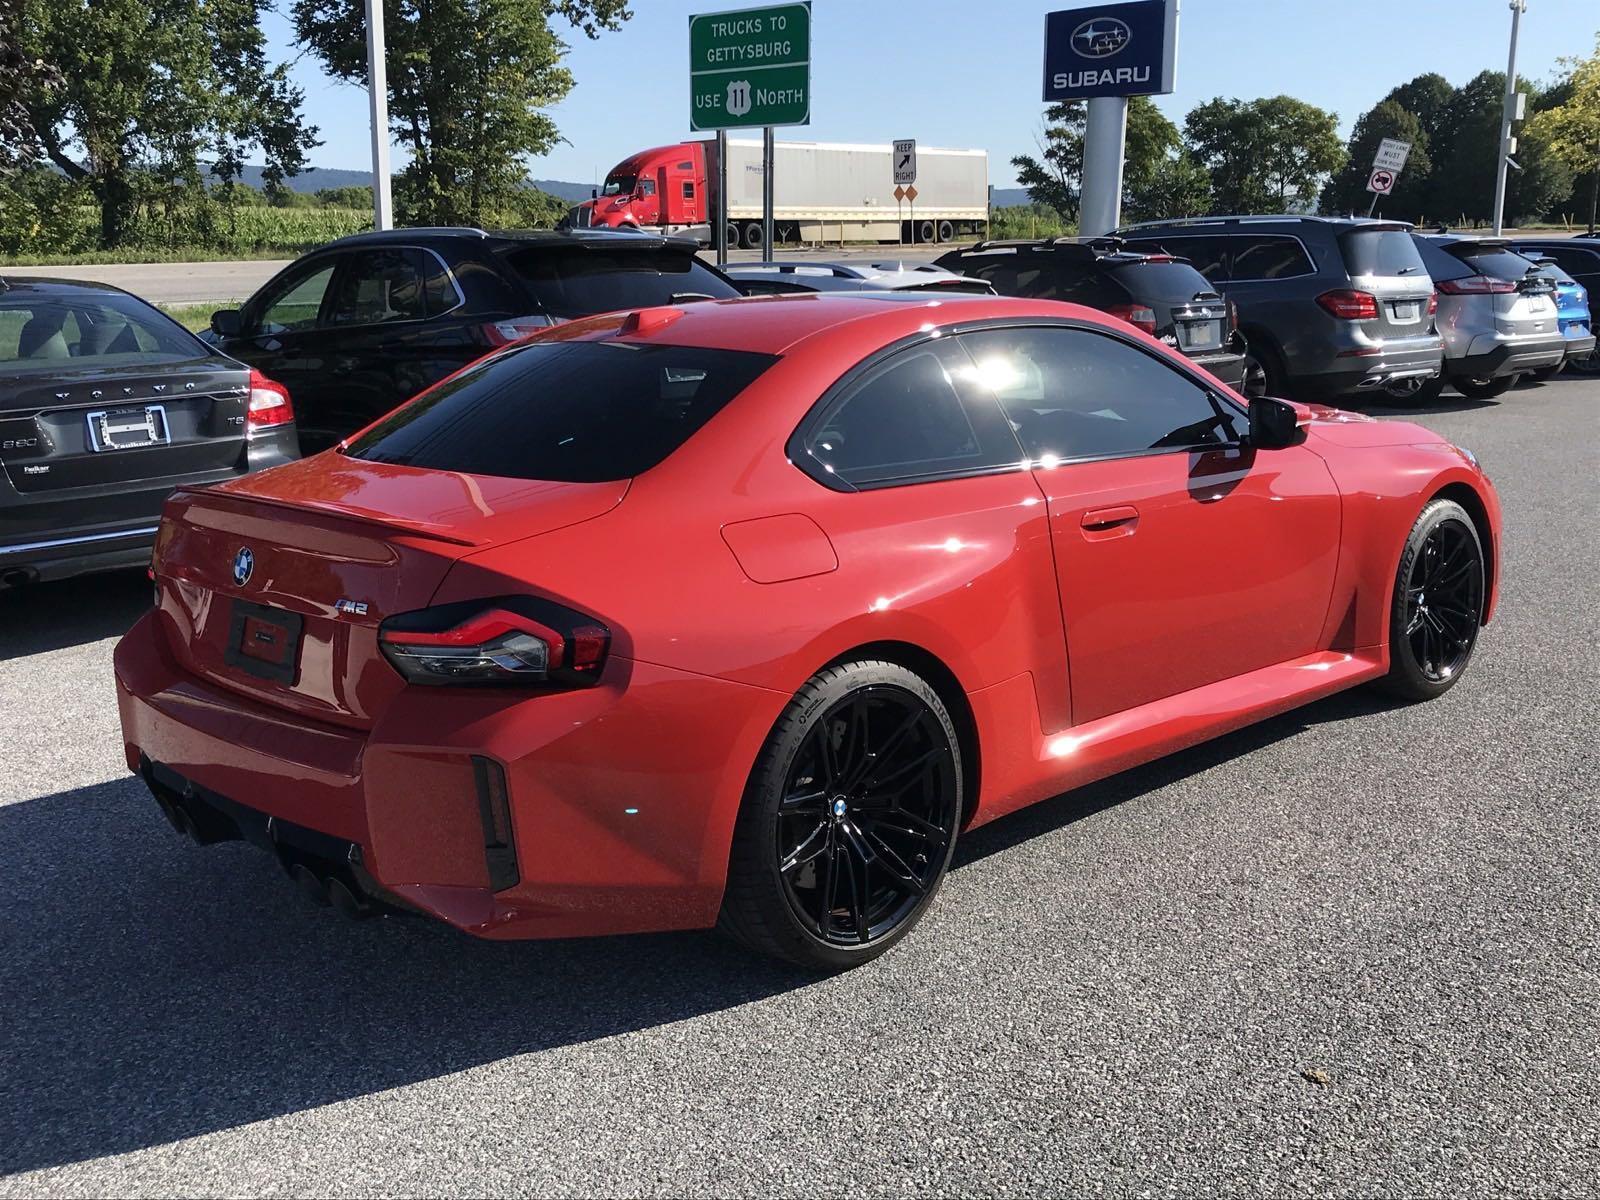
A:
(662, 189)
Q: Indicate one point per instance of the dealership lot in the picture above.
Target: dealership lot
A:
(1353, 949)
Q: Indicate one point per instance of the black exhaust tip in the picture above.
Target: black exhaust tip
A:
(309, 884)
(348, 902)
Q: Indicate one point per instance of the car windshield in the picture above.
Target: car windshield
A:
(42, 332)
(572, 412)
(579, 281)
(616, 185)
(1381, 252)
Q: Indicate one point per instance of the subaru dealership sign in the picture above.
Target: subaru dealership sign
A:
(1111, 50)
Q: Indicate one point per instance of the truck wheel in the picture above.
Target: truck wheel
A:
(752, 235)
(731, 235)
(947, 231)
(925, 231)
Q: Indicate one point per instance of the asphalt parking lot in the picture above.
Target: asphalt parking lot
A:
(1355, 950)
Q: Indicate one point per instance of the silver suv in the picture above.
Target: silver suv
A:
(1330, 305)
(1497, 311)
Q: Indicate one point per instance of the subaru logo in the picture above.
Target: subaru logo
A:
(1100, 38)
(244, 563)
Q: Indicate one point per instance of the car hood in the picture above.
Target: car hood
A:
(1341, 427)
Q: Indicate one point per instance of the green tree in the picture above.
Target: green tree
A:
(150, 87)
(1426, 97)
(21, 77)
(349, 196)
(1266, 155)
(469, 83)
(1346, 192)
(1157, 176)
(1569, 125)
(1466, 151)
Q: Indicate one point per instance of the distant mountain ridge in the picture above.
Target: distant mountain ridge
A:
(314, 179)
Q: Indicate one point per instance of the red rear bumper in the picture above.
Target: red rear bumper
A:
(622, 796)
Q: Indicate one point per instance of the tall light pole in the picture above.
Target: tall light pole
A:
(378, 99)
(1518, 7)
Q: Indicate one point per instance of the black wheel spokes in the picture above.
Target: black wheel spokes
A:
(866, 820)
(1443, 600)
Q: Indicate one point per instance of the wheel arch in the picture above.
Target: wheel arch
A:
(948, 687)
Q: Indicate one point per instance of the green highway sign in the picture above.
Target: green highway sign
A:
(750, 67)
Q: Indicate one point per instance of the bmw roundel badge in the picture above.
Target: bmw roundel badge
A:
(244, 562)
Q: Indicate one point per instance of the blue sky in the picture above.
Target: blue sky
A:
(968, 73)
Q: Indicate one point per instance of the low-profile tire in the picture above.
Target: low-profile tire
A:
(1426, 392)
(1437, 605)
(848, 821)
(1483, 389)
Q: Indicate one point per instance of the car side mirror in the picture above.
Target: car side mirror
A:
(227, 322)
(1274, 424)
(594, 193)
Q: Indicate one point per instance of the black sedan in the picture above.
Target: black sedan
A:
(106, 406)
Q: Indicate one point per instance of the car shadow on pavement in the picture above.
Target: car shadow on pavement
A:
(156, 990)
(40, 617)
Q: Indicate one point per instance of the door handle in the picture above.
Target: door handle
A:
(1101, 523)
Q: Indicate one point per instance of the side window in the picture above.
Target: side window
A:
(379, 286)
(1577, 263)
(688, 189)
(1208, 254)
(296, 303)
(438, 289)
(913, 417)
(1070, 393)
(647, 187)
(1269, 258)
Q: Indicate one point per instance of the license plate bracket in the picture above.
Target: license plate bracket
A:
(1200, 335)
(1406, 310)
(128, 428)
(264, 642)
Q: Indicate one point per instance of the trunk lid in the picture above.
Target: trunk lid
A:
(277, 583)
(1190, 313)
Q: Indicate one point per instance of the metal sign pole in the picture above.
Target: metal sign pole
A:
(1104, 146)
(378, 100)
(719, 212)
(769, 157)
(1518, 7)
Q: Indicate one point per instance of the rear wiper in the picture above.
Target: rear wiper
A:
(1405, 270)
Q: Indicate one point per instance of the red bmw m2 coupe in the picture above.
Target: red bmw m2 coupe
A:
(738, 614)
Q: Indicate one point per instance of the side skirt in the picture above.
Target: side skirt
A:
(1023, 765)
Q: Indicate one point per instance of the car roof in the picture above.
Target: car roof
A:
(1109, 250)
(11, 285)
(776, 324)
(511, 238)
(1246, 221)
(889, 275)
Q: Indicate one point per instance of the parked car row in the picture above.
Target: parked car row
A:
(106, 404)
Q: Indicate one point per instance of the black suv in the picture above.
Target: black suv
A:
(1156, 292)
(1329, 305)
(364, 323)
(1579, 257)
(106, 405)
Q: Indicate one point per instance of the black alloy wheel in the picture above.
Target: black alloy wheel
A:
(1438, 603)
(1588, 365)
(850, 819)
(1262, 374)
(1484, 387)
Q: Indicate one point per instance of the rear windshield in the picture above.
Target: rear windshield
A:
(1162, 282)
(49, 332)
(1381, 252)
(1497, 262)
(580, 282)
(574, 412)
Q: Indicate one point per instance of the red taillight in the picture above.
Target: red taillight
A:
(1433, 303)
(269, 403)
(1140, 316)
(1475, 285)
(503, 333)
(1233, 315)
(1349, 305)
(496, 642)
